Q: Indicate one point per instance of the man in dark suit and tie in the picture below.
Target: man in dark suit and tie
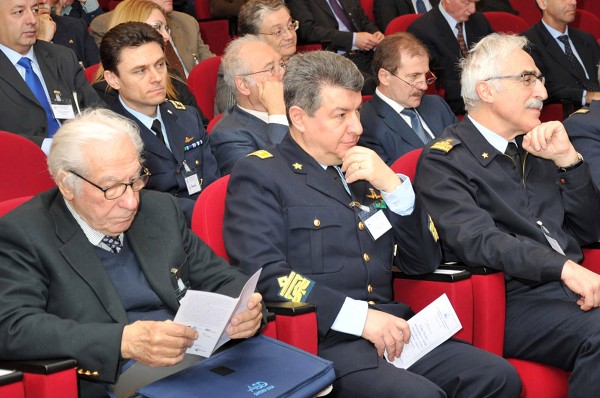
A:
(94, 269)
(176, 147)
(343, 26)
(252, 70)
(567, 57)
(386, 10)
(41, 83)
(400, 117)
(449, 30)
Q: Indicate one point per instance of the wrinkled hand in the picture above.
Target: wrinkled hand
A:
(156, 343)
(367, 41)
(583, 282)
(360, 163)
(270, 94)
(550, 141)
(386, 332)
(246, 324)
(46, 28)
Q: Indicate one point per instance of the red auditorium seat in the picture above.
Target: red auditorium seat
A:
(588, 22)
(202, 82)
(401, 23)
(504, 22)
(527, 10)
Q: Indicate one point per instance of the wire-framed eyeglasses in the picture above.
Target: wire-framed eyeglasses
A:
(292, 26)
(275, 70)
(117, 190)
(527, 78)
(160, 27)
(430, 78)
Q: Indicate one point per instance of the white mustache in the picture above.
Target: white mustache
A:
(534, 103)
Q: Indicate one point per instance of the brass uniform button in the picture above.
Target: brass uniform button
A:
(317, 223)
(563, 181)
(361, 226)
(370, 289)
(197, 162)
(371, 302)
(366, 257)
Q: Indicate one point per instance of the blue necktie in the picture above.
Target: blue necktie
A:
(416, 125)
(421, 9)
(576, 66)
(113, 242)
(35, 85)
(339, 12)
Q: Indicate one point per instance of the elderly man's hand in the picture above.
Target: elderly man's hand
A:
(360, 163)
(156, 343)
(550, 141)
(246, 324)
(270, 93)
(47, 28)
(386, 332)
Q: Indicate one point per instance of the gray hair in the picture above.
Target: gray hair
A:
(92, 126)
(252, 13)
(233, 63)
(307, 73)
(484, 61)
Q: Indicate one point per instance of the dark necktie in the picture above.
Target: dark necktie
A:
(577, 67)
(35, 85)
(335, 173)
(421, 9)
(339, 12)
(173, 60)
(157, 128)
(113, 242)
(416, 124)
(460, 37)
(513, 151)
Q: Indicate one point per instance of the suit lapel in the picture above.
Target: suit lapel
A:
(552, 48)
(81, 256)
(395, 122)
(326, 9)
(174, 132)
(450, 47)
(13, 78)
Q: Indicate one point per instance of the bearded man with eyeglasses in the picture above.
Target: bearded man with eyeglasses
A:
(508, 192)
(400, 117)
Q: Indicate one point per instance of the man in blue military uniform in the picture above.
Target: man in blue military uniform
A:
(583, 127)
(176, 148)
(327, 238)
(509, 193)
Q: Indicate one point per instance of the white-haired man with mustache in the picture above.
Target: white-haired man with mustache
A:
(525, 211)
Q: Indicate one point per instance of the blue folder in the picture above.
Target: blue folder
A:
(256, 367)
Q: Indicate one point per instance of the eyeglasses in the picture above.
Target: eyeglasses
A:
(160, 27)
(275, 70)
(292, 26)
(430, 77)
(527, 78)
(117, 190)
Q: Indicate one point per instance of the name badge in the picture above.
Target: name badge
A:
(192, 182)
(61, 107)
(375, 220)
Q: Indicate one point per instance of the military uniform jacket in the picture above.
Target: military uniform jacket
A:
(57, 300)
(487, 214)
(286, 214)
(22, 113)
(583, 127)
(184, 129)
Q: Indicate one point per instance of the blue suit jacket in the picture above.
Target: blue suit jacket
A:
(239, 133)
(183, 128)
(561, 81)
(433, 30)
(584, 132)
(390, 136)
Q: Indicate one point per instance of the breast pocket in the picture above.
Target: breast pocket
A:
(314, 238)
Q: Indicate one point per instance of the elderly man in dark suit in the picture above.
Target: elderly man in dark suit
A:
(41, 83)
(343, 26)
(301, 211)
(400, 117)
(252, 70)
(449, 30)
(386, 10)
(567, 57)
(95, 268)
(176, 147)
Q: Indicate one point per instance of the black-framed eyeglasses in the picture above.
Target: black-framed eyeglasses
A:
(527, 78)
(292, 26)
(117, 190)
(160, 27)
(274, 70)
(430, 78)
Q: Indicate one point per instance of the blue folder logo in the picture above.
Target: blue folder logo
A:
(259, 388)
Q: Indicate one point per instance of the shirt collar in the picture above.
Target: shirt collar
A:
(264, 116)
(92, 235)
(144, 119)
(492, 138)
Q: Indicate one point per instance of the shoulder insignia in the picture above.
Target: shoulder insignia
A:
(373, 194)
(177, 104)
(445, 146)
(295, 287)
(261, 153)
(580, 111)
(433, 230)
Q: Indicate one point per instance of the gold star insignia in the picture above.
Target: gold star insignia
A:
(297, 166)
(485, 155)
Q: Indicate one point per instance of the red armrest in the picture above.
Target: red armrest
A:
(47, 378)
(296, 324)
(11, 385)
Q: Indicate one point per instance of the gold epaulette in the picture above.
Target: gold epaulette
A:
(261, 153)
(177, 104)
(444, 146)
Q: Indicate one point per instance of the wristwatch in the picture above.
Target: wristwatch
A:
(573, 165)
